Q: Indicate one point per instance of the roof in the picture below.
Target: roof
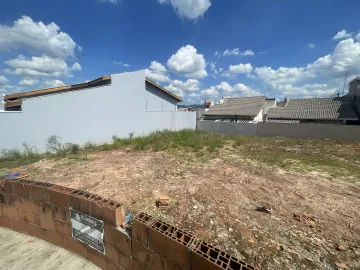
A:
(163, 89)
(356, 79)
(97, 82)
(241, 106)
(283, 121)
(314, 109)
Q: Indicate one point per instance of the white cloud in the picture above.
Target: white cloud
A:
(213, 68)
(180, 88)
(76, 67)
(157, 72)
(282, 75)
(240, 68)
(358, 36)
(188, 63)
(189, 9)
(28, 82)
(226, 89)
(311, 45)
(3, 80)
(111, 1)
(36, 37)
(52, 83)
(236, 51)
(342, 34)
(121, 64)
(261, 52)
(216, 53)
(307, 91)
(6, 87)
(43, 66)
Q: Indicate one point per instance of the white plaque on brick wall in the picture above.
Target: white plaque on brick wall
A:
(88, 230)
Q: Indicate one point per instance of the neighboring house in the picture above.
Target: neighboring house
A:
(120, 104)
(240, 109)
(313, 110)
(354, 95)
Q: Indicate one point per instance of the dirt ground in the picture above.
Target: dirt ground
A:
(314, 221)
(20, 251)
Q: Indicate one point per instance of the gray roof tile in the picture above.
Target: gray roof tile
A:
(244, 106)
(314, 108)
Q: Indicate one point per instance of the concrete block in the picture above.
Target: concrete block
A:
(119, 239)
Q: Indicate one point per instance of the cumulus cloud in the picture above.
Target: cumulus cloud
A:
(189, 9)
(342, 34)
(36, 37)
(237, 51)
(111, 1)
(240, 68)
(188, 63)
(28, 82)
(180, 88)
(3, 80)
(307, 91)
(311, 45)
(43, 66)
(76, 67)
(52, 83)
(157, 72)
(226, 89)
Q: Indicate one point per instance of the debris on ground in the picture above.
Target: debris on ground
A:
(341, 265)
(265, 209)
(163, 202)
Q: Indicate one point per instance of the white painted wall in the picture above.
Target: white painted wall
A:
(259, 117)
(94, 114)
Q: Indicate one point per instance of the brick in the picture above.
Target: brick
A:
(44, 222)
(0, 211)
(61, 213)
(39, 192)
(173, 266)
(5, 222)
(112, 253)
(112, 266)
(75, 246)
(2, 198)
(21, 189)
(20, 226)
(140, 228)
(32, 206)
(2, 182)
(37, 231)
(147, 258)
(62, 227)
(126, 262)
(14, 201)
(205, 256)
(26, 216)
(113, 213)
(55, 238)
(96, 210)
(8, 188)
(118, 239)
(10, 212)
(171, 243)
(81, 201)
(46, 209)
(59, 196)
(137, 266)
(96, 258)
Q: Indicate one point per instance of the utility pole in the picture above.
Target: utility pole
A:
(344, 83)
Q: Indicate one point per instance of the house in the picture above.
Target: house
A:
(119, 104)
(354, 95)
(240, 109)
(313, 110)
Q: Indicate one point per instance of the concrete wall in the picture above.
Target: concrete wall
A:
(263, 129)
(227, 128)
(94, 114)
(323, 131)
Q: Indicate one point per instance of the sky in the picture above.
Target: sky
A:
(198, 49)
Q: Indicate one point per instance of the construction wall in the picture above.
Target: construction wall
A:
(96, 114)
(227, 128)
(42, 210)
(263, 129)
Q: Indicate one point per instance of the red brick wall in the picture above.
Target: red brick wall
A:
(42, 210)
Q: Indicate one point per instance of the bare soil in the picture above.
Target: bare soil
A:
(314, 221)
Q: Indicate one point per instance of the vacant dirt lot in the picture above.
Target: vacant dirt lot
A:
(314, 221)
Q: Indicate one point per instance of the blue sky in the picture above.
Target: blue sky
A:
(199, 49)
